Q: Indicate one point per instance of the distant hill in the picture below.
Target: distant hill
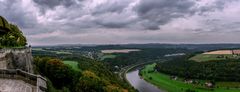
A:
(198, 47)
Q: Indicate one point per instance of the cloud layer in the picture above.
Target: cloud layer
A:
(52, 22)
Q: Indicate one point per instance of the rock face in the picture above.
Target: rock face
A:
(16, 58)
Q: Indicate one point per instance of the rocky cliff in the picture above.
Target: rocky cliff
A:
(16, 58)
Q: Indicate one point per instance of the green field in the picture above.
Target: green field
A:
(62, 52)
(37, 49)
(73, 64)
(209, 57)
(163, 81)
(108, 56)
(57, 52)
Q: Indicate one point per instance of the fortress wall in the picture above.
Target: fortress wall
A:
(16, 63)
(36, 81)
(16, 58)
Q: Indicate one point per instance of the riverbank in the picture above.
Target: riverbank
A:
(133, 68)
(125, 70)
(163, 81)
(141, 85)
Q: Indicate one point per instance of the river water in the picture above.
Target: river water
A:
(140, 84)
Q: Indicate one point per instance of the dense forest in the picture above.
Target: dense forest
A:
(221, 70)
(11, 35)
(93, 77)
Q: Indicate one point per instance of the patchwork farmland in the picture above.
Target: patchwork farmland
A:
(217, 55)
(220, 52)
(119, 51)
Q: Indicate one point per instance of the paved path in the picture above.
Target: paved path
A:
(10, 85)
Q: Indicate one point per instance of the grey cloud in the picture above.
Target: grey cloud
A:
(14, 13)
(113, 14)
(111, 6)
(117, 15)
(111, 24)
(160, 12)
(217, 5)
(51, 4)
(54, 3)
(117, 21)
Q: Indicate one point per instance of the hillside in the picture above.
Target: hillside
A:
(88, 76)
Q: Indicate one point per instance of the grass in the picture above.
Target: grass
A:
(108, 56)
(37, 49)
(163, 81)
(73, 64)
(228, 84)
(15, 47)
(209, 57)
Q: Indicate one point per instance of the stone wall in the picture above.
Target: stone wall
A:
(16, 63)
(16, 58)
(36, 81)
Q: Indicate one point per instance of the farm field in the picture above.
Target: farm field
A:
(53, 51)
(163, 81)
(119, 51)
(37, 49)
(220, 52)
(209, 57)
(108, 56)
(73, 64)
(216, 55)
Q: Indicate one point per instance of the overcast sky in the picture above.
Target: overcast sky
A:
(50, 22)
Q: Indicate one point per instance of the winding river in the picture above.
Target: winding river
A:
(140, 84)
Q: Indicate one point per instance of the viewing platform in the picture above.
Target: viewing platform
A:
(12, 80)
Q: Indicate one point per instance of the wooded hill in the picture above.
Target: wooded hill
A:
(215, 70)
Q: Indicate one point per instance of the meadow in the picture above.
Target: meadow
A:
(73, 64)
(211, 57)
(163, 81)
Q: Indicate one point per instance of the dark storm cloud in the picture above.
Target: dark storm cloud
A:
(160, 12)
(51, 4)
(54, 3)
(111, 24)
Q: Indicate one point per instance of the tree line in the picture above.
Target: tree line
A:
(215, 70)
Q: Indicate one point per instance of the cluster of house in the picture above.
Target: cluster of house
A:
(190, 81)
